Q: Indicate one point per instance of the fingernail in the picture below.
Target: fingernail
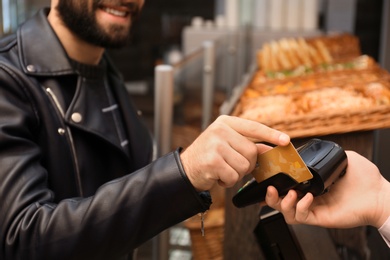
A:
(283, 138)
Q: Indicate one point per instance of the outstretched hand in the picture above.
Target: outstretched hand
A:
(358, 198)
(227, 150)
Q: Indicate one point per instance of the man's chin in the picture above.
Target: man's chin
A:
(116, 38)
(115, 43)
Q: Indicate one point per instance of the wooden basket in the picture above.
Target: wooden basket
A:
(334, 121)
(209, 246)
(325, 124)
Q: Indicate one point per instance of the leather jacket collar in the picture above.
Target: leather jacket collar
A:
(30, 38)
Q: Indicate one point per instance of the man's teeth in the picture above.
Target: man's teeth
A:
(115, 12)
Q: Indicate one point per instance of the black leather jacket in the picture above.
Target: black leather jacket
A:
(67, 189)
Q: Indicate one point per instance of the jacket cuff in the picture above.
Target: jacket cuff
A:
(204, 196)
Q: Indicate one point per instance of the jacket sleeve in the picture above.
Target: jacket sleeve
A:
(120, 216)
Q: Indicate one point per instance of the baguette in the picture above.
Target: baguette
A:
(286, 54)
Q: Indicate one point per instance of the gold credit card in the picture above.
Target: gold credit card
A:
(281, 159)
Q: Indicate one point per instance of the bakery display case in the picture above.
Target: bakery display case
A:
(315, 86)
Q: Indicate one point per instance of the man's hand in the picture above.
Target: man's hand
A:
(226, 151)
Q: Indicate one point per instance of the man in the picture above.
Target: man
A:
(76, 181)
(359, 198)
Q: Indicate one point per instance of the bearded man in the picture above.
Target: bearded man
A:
(76, 176)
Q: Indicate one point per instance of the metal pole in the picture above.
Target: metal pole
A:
(231, 62)
(163, 113)
(163, 107)
(208, 83)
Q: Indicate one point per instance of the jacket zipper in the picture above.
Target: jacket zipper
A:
(68, 133)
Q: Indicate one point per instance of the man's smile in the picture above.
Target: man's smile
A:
(115, 12)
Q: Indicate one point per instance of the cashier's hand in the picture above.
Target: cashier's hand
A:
(226, 151)
(359, 198)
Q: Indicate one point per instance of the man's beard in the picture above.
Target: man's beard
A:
(82, 22)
